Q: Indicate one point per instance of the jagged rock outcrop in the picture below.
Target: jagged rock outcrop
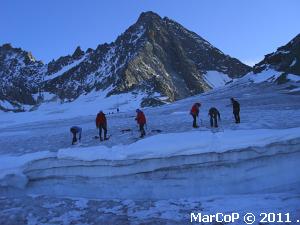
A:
(20, 76)
(286, 59)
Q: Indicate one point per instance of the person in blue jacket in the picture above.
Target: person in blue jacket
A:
(76, 130)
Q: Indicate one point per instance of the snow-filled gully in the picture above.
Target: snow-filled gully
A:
(242, 171)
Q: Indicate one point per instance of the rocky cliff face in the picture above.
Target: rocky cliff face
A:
(286, 59)
(20, 76)
(156, 56)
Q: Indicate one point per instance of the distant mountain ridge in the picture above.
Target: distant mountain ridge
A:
(285, 59)
(155, 57)
(281, 66)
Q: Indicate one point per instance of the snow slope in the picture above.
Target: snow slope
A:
(85, 105)
(63, 70)
(266, 75)
(251, 166)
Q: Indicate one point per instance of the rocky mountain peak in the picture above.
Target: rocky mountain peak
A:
(6, 46)
(78, 53)
(148, 16)
(30, 57)
(10, 53)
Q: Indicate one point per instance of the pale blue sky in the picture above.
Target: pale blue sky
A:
(245, 29)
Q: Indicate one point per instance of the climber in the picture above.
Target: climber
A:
(101, 124)
(236, 110)
(76, 130)
(141, 120)
(214, 116)
(195, 113)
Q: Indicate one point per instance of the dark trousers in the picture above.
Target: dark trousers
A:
(142, 130)
(75, 138)
(237, 116)
(104, 128)
(213, 121)
(194, 121)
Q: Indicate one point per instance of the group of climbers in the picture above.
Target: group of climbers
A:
(214, 113)
(101, 125)
(101, 122)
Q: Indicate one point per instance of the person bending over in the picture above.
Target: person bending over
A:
(214, 116)
(76, 130)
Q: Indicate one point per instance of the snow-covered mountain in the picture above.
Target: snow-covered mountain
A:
(156, 58)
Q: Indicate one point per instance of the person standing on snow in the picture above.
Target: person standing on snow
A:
(236, 110)
(76, 130)
(214, 116)
(141, 120)
(101, 124)
(195, 113)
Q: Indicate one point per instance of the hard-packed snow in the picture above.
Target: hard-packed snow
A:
(266, 75)
(165, 145)
(252, 166)
(293, 77)
(85, 105)
(216, 79)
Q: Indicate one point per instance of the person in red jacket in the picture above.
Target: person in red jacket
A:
(101, 124)
(141, 120)
(195, 113)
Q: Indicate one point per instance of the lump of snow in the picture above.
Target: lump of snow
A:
(293, 63)
(293, 77)
(11, 167)
(5, 104)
